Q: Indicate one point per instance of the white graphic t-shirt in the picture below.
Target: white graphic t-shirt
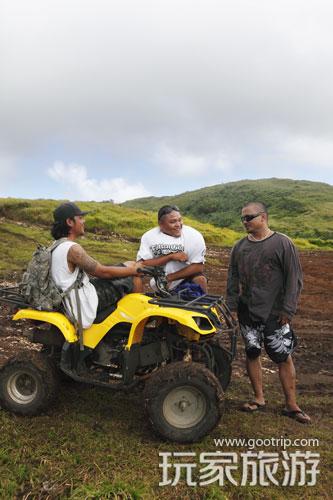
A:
(155, 243)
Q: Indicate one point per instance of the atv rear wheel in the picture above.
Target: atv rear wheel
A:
(28, 383)
(183, 401)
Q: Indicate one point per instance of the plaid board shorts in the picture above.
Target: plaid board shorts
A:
(279, 340)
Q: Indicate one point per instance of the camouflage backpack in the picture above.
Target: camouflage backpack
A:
(37, 286)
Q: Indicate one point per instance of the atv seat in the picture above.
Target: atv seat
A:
(104, 313)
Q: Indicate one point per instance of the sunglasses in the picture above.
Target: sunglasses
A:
(248, 218)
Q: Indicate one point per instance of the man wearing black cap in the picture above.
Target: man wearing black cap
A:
(109, 284)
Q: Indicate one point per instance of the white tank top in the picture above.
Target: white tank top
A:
(64, 278)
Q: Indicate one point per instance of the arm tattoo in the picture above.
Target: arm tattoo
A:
(79, 257)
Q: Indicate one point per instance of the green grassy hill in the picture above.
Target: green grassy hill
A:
(112, 232)
(302, 209)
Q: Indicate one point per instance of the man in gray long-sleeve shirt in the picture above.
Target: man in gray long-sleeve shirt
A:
(264, 284)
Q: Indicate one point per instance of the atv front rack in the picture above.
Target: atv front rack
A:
(12, 296)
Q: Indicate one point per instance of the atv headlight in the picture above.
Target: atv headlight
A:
(203, 323)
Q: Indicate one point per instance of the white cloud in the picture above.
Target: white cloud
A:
(115, 80)
(306, 150)
(180, 163)
(8, 172)
(185, 163)
(114, 72)
(79, 186)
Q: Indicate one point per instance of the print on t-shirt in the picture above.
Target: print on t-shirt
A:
(165, 248)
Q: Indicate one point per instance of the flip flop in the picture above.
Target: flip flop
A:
(297, 415)
(257, 407)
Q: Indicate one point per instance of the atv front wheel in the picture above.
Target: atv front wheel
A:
(28, 383)
(183, 401)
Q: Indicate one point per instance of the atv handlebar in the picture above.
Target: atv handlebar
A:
(159, 276)
(153, 271)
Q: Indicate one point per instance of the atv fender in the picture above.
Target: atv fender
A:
(136, 309)
(55, 318)
(181, 316)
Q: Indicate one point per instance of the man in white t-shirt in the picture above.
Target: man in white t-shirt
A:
(179, 248)
(109, 283)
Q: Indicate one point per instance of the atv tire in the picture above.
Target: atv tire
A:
(28, 383)
(184, 401)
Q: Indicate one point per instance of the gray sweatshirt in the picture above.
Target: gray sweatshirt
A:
(266, 276)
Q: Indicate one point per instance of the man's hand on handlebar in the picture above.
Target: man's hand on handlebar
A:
(138, 268)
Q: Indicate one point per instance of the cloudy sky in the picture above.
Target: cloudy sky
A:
(116, 99)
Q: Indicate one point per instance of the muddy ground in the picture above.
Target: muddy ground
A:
(313, 322)
(81, 445)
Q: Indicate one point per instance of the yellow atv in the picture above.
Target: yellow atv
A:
(176, 347)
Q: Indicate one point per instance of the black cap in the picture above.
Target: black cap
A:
(67, 211)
